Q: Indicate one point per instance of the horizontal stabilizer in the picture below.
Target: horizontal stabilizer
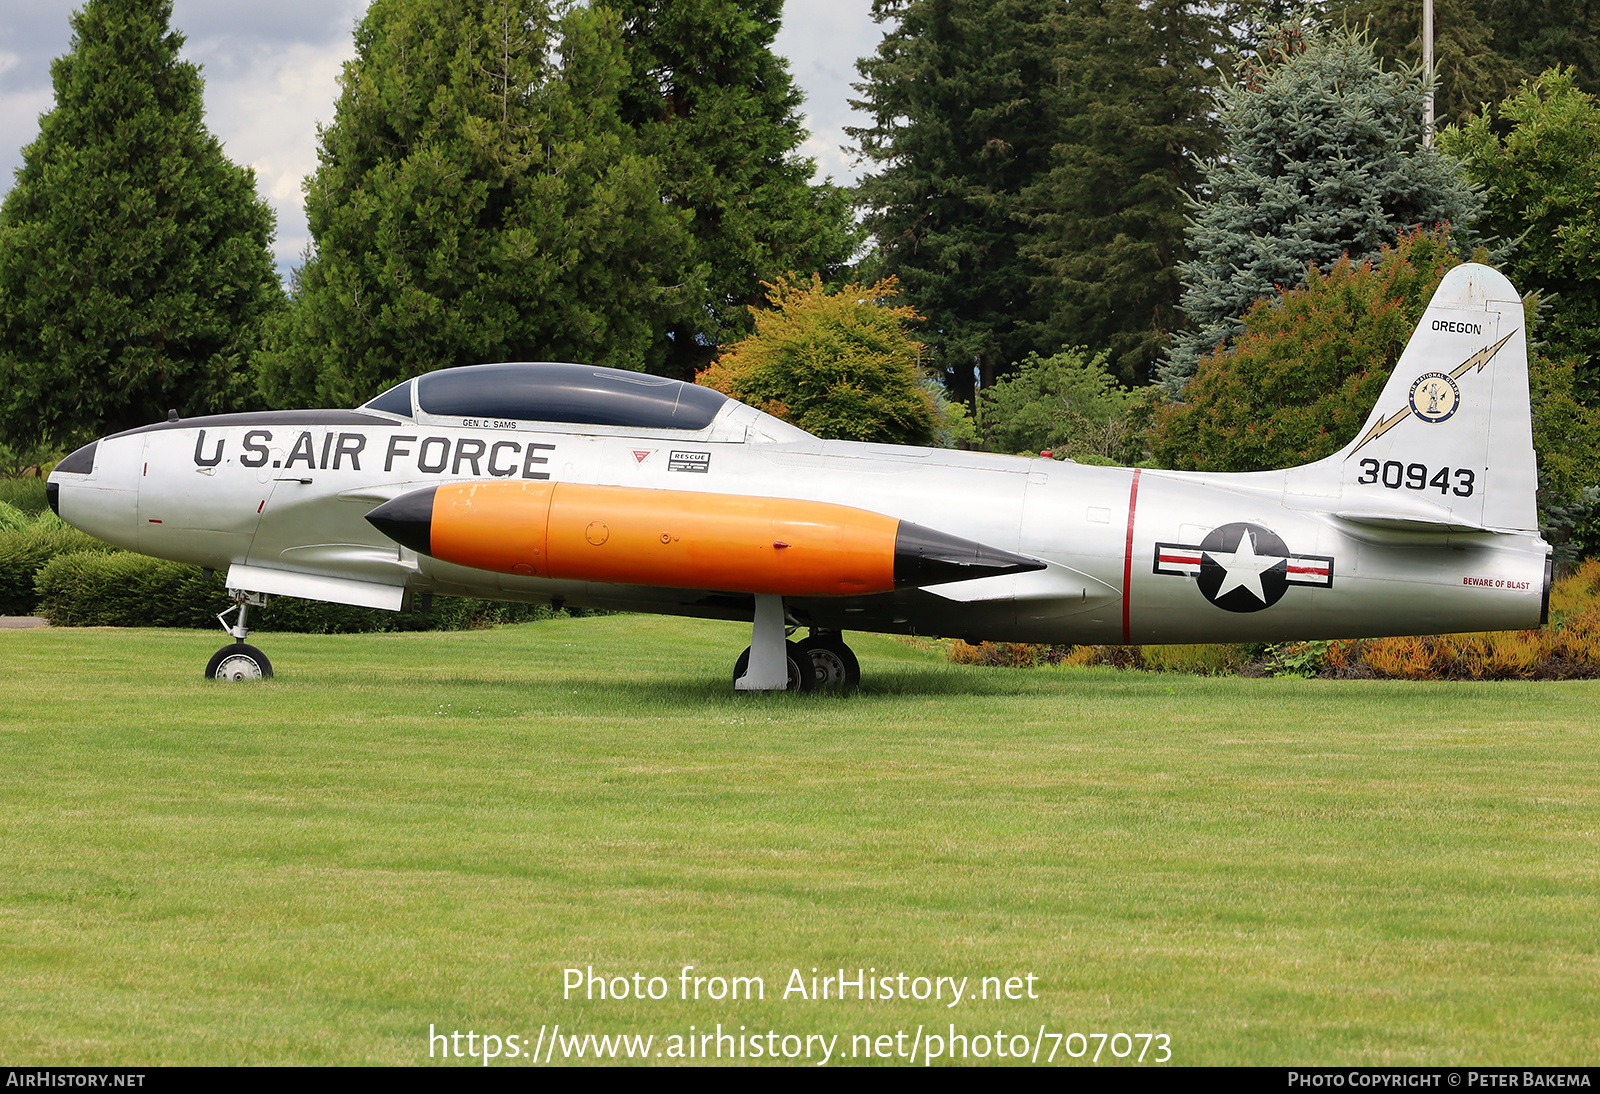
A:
(1402, 523)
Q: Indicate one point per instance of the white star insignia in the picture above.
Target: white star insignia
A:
(1244, 568)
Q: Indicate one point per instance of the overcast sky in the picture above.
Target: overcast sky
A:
(271, 72)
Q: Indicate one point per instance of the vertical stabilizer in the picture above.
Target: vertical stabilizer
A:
(1451, 438)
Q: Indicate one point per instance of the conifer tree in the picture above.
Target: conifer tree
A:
(719, 112)
(1132, 110)
(1309, 364)
(959, 131)
(1483, 49)
(1536, 35)
(1469, 66)
(1323, 158)
(479, 198)
(134, 257)
(1032, 161)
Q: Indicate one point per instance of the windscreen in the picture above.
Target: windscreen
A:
(397, 400)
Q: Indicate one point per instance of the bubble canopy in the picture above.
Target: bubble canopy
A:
(543, 391)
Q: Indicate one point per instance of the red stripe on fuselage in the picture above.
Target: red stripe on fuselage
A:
(1127, 560)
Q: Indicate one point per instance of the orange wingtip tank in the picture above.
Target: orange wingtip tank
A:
(681, 539)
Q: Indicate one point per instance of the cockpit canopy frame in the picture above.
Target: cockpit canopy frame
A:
(555, 392)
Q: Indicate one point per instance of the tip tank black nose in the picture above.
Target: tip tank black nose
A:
(923, 556)
(408, 520)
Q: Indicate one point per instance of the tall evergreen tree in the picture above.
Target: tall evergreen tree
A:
(479, 197)
(134, 257)
(719, 111)
(1470, 65)
(959, 131)
(1483, 49)
(1323, 158)
(1132, 110)
(1536, 35)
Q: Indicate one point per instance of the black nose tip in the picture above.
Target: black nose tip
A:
(408, 520)
(52, 494)
(924, 556)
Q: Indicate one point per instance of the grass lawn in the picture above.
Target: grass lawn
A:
(427, 829)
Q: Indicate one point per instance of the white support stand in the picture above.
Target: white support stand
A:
(769, 652)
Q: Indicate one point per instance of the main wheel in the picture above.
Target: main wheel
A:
(833, 665)
(800, 679)
(236, 662)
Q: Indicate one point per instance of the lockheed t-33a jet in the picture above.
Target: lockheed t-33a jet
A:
(575, 485)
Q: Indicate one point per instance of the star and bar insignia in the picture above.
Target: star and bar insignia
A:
(1243, 567)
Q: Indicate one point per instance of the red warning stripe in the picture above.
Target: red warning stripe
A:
(1127, 561)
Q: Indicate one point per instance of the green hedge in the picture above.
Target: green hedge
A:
(26, 546)
(120, 589)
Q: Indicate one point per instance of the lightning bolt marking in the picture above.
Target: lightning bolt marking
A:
(1480, 359)
(1382, 426)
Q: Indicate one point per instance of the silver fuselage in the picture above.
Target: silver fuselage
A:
(279, 501)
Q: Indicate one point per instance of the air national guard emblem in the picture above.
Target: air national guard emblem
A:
(1434, 397)
(1243, 567)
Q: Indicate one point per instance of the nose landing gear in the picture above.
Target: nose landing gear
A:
(239, 661)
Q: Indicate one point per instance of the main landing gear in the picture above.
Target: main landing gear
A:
(833, 665)
(239, 661)
(772, 663)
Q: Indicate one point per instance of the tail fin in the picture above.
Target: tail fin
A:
(1450, 441)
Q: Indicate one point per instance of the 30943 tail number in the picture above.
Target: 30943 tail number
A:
(1460, 481)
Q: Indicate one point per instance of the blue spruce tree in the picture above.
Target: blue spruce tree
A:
(1323, 158)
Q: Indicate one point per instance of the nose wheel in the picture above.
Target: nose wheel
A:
(239, 661)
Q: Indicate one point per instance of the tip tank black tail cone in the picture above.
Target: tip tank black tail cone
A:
(408, 520)
(923, 556)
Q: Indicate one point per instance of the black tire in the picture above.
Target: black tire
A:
(833, 664)
(800, 678)
(237, 662)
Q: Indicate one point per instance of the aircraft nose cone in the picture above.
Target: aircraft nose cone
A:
(80, 462)
(923, 556)
(408, 520)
